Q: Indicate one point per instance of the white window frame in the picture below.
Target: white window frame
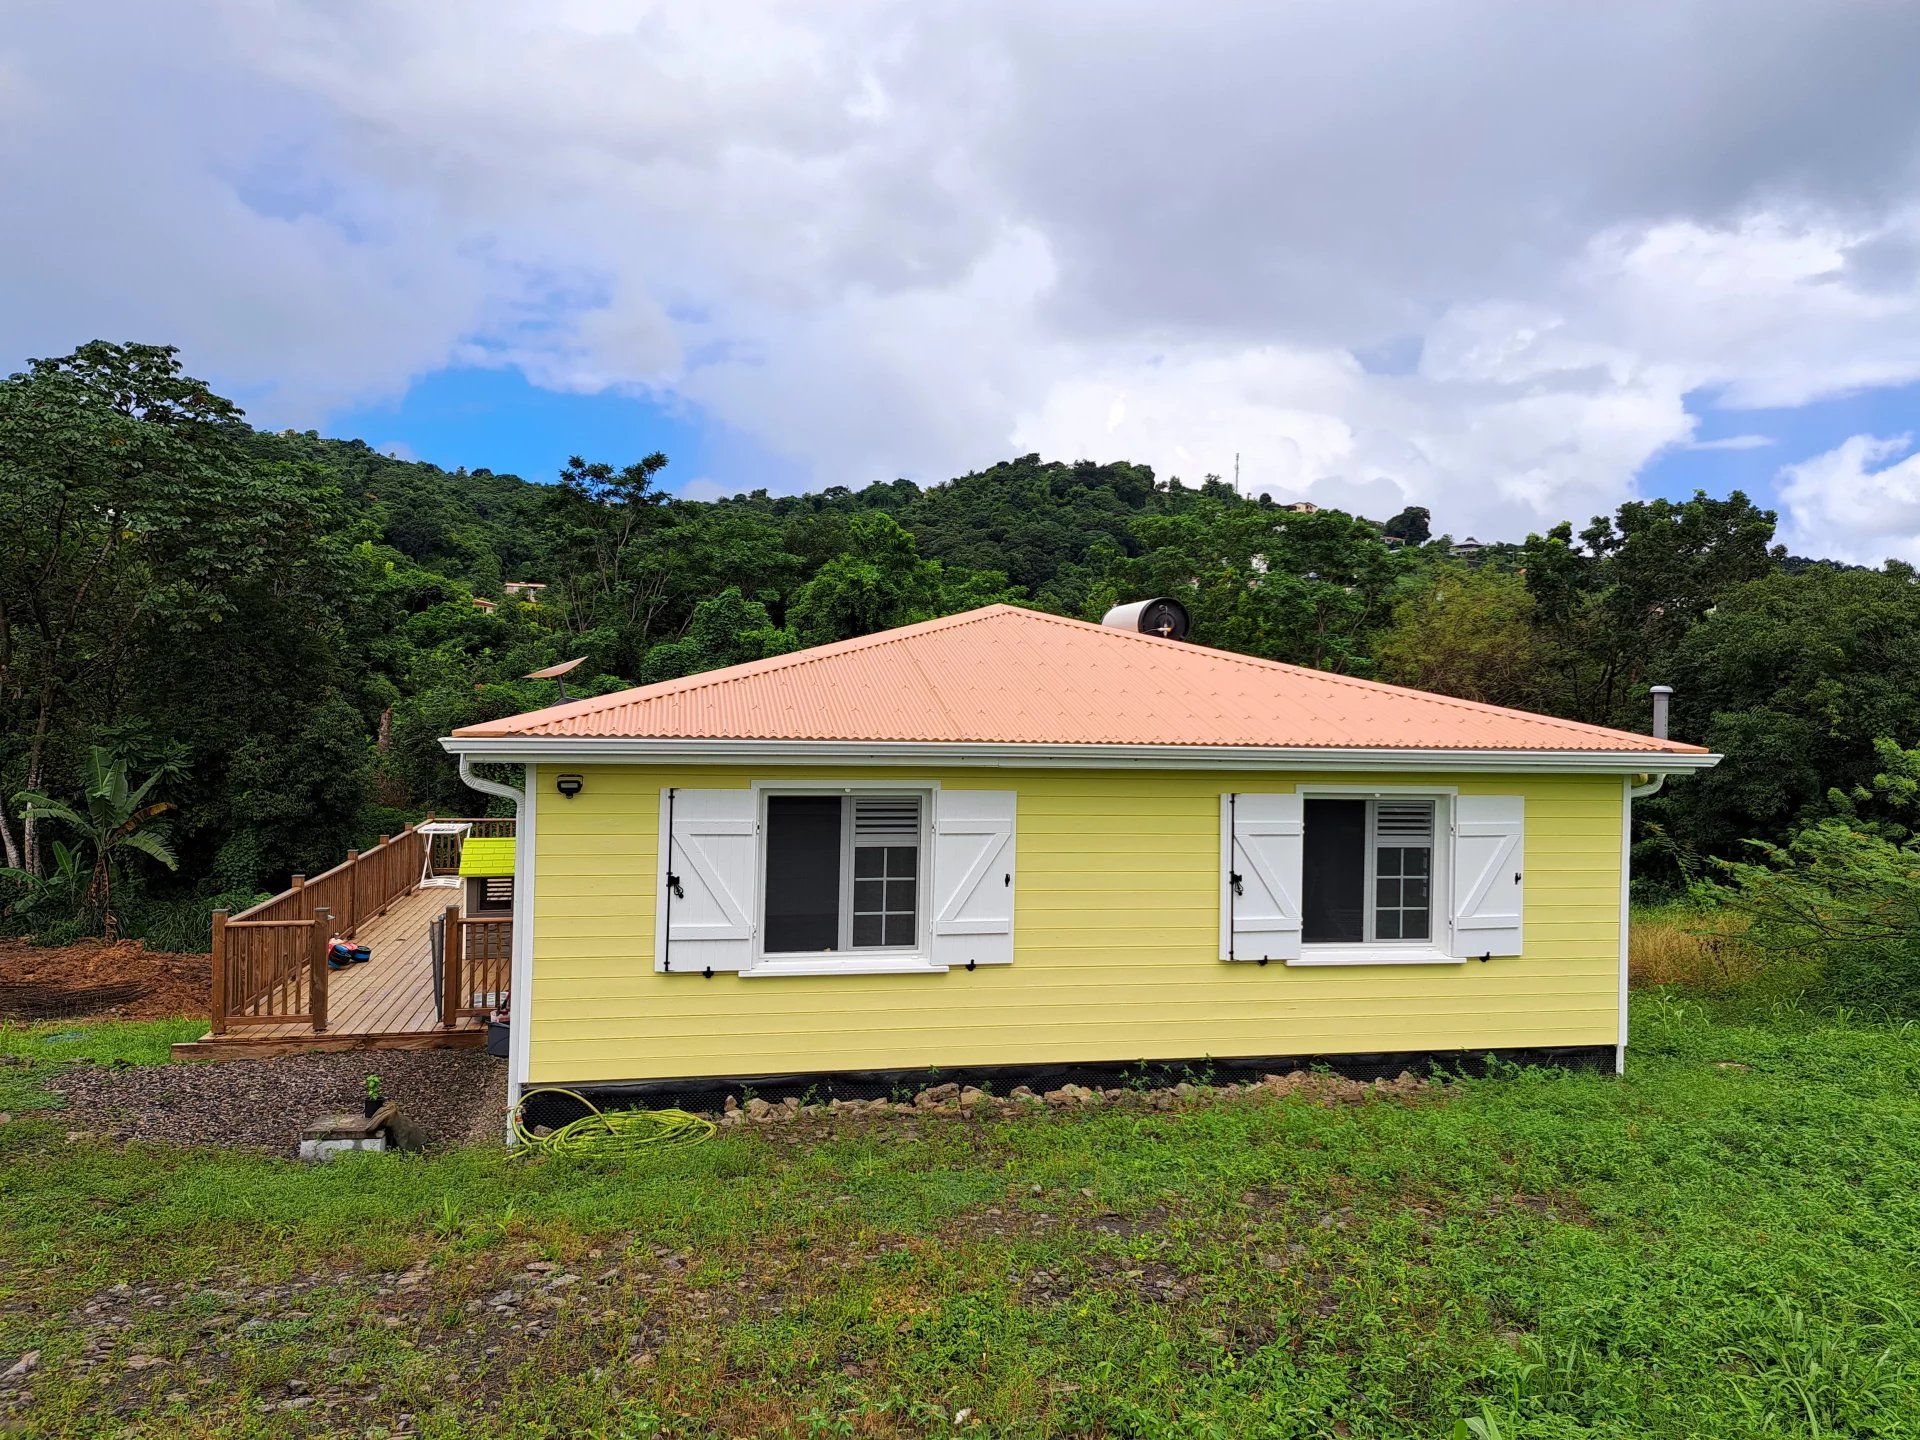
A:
(1437, 948)
(846, 959)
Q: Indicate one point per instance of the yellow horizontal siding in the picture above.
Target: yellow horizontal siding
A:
(1116, 932)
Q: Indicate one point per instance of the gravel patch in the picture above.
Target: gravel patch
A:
(448, 1097)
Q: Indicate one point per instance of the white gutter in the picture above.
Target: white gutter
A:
(587, 750)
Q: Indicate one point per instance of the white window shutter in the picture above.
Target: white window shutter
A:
(706, 885)
(1489, 846)
(972, 874)
(1262, 840)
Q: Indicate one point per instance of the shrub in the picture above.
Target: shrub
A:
(185, 925)
(1838, 907)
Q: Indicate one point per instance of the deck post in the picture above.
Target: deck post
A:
(317, 967)
(453, 960)
(219, 986)
(353, 883)
(296, 887)
(384, 875)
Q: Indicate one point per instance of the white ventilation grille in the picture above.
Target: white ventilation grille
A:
(885, 817)
(1403, 822)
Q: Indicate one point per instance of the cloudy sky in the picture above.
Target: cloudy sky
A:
(1512, 261)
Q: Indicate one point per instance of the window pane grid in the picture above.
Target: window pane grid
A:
(1401, 892)
(886, 894)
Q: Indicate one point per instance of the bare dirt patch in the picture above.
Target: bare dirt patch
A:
(95, 980)
(448, 1096)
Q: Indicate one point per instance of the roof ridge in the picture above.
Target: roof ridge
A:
(1333, 677)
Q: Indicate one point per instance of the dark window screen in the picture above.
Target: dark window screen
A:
(803, 873)
(1334, 876)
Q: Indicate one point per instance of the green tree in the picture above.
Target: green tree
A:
(604, 518)
(1466, 632)
(728, 629)
(1308, 589)
(1792, 678)
(880, 581)
(1613, 608)
(114, 818)
(131, 512)
(1414, 525)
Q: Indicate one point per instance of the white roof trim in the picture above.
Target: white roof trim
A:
(586, 750)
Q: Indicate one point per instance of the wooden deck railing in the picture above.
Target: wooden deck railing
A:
(270, 972)
(476, 962)
(269, 961)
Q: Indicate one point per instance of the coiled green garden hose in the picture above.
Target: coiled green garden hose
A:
(608, 1132)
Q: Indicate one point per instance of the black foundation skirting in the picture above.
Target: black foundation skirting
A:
(710, 1093)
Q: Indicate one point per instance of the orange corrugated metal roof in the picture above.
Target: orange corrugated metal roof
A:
(1008, 676)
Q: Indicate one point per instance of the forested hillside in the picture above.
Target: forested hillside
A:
(274, 629)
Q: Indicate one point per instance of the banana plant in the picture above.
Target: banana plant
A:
(113, 817)
(62, 889)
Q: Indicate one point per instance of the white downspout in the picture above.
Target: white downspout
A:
(520, 973)
(1631, 793)
(492, 787)
(1662, 699)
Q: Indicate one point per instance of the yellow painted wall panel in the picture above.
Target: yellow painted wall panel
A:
(1116, 933)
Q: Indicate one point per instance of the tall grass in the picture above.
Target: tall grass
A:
(1691, 949)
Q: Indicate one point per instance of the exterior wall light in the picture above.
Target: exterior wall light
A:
(569, 785)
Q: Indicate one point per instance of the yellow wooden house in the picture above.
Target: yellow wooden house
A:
(1011, 843)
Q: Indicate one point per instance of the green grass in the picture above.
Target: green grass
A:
(28, 1051)
(1726, 1243)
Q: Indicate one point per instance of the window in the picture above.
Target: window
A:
(490, 895)
(842, 873)
(1368, 871)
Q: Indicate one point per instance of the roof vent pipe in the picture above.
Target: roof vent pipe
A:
(1662, 695)
(1162, 617)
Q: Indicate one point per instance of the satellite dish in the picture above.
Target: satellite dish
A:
(1163, 617)
(558, 673)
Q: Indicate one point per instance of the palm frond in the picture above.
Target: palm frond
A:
(35, 806)
(133, 800)
(140, 817)
(148, 842)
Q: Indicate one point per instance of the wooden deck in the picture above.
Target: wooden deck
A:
(385, 1004)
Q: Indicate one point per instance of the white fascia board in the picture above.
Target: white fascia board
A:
(570, 750)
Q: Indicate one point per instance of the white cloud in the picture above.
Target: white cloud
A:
(1733, 442)
(1858, 502)
(881, 238)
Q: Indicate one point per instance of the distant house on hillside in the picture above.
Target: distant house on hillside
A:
(527, 590)
(1468, 549)
(488, 605)
(1005, 843)
(1302, 507)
